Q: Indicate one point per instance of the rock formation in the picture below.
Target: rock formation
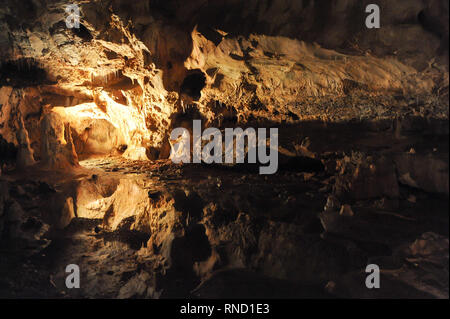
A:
(85, 120)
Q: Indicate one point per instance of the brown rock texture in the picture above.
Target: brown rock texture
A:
(85, 175)
(287, 62)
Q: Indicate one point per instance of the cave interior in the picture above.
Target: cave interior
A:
(87, 176)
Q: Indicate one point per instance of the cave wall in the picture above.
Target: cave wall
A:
(277, 61)
(363, 149)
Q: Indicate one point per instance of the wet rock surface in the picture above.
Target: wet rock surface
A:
(141, 229)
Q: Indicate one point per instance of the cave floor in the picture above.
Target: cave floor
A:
(261, 236)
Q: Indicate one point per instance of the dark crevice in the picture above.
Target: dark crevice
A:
(193, 84)
(22, 73)
(83, 33)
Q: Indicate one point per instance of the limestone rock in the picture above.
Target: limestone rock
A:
(25, 153)
(346, 210)
(58, 151)
(67, 213)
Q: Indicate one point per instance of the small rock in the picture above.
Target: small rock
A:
(412, 199)
(330, 287)
(346, 210)
(332, 203)
(430, 244)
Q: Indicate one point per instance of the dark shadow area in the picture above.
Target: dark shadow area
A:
(8, 152)
(193, 84)
(83, 33)
(22, 73)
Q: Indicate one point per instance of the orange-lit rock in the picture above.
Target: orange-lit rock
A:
(86, 179)
(57, 148)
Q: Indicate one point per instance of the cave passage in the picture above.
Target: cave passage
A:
(193, 84)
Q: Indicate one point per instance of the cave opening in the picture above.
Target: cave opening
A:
(193, 84)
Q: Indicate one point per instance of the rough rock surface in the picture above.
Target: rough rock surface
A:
(162, 64)
(85, 117)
